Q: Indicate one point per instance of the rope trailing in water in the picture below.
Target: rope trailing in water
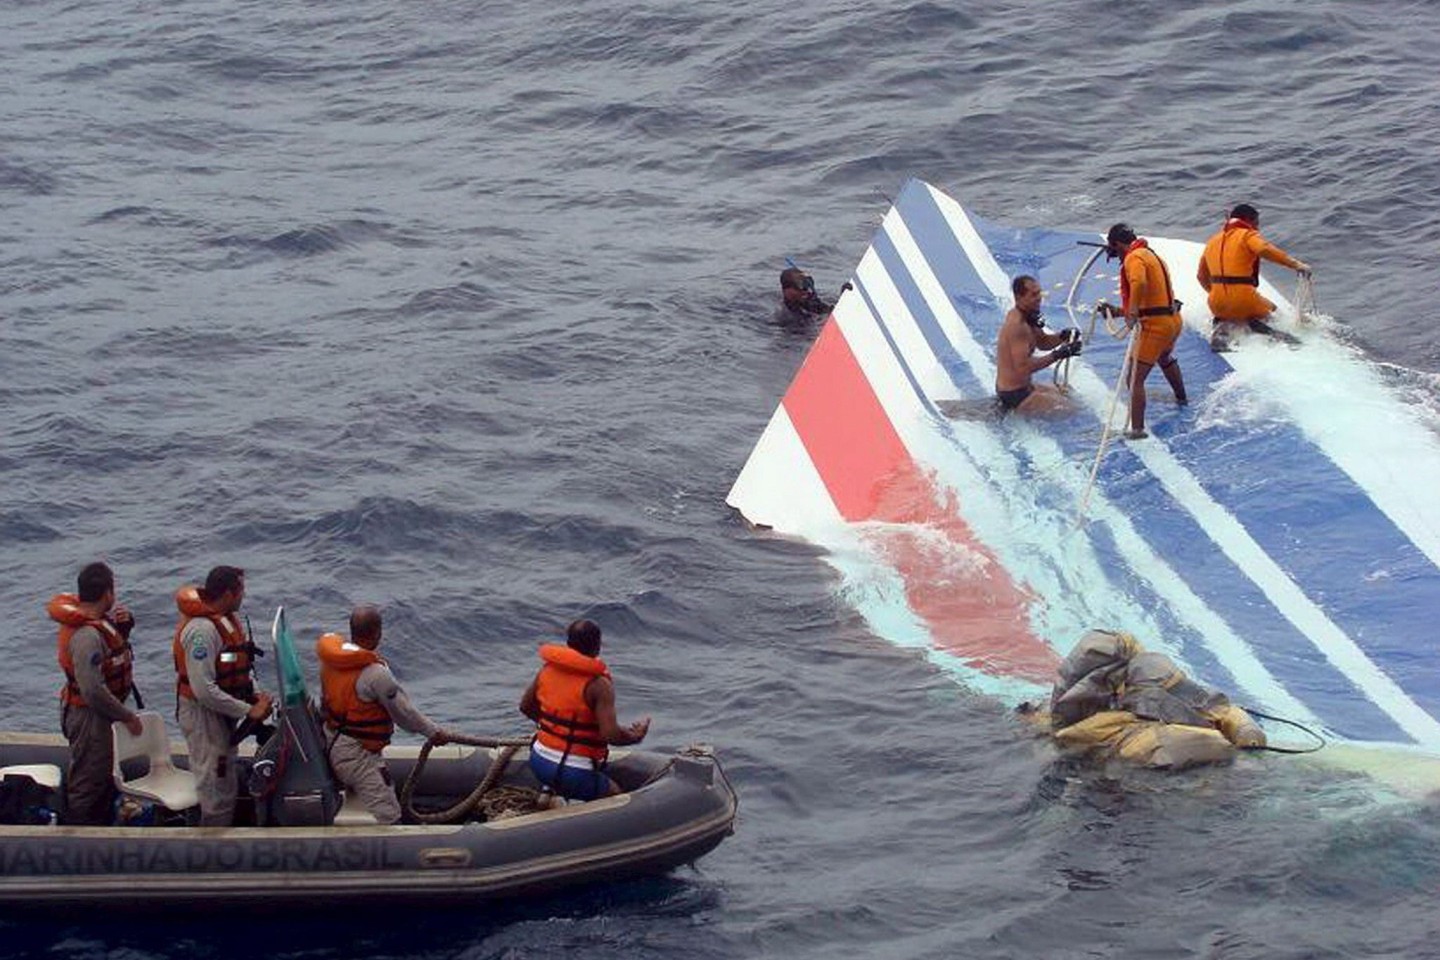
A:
(463, 809)
(1305, 298)
(1127, 370)
(1319, 740)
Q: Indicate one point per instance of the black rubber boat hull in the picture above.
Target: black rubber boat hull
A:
(678, 809)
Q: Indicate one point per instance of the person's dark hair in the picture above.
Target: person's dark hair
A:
(1119, 233)
(220, 581)
(1243, 211)
(583, 636)
(365, 622)
(94, 582)
(1017, 286)
(792, 279)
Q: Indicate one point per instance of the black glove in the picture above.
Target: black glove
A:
(846, 286)
(1071, 334)
(1067, 349)
(1107, 309)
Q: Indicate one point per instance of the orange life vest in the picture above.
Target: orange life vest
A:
(118, 664)
(340, 666)
(1229, 258)
(1159, 295)
(232, 661)
(567, 723)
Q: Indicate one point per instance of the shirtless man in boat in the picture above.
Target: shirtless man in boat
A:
(1016, 362)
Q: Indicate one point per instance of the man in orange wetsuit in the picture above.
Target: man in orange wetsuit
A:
(1230, 272)
(1148, 299)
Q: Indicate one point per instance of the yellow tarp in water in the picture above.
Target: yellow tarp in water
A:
(1120, 700)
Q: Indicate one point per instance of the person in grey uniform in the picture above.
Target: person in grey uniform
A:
(362, 703)
(214, 687)
(96, 658)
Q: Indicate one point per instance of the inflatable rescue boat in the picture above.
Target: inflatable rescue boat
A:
(306, 841)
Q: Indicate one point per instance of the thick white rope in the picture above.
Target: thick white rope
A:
(1127, 371)
(1062, 369)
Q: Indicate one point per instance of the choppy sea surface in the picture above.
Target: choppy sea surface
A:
(469, 310)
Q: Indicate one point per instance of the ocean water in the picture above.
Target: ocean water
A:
(469, 310)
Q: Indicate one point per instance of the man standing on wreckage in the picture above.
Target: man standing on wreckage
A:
(1147, 301)
(1230, 273)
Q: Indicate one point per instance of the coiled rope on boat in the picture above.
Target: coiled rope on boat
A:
(491, 803)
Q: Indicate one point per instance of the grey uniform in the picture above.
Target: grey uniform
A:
(208, 721)
(363, 771)
(89, 783)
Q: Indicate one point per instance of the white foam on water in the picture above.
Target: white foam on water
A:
(1337, 398)
(875, 589)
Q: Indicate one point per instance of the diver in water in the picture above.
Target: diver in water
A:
(797, 292)
(1230, 272)
(1021, 335)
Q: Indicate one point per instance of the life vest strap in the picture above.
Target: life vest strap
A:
(573, 739)
(339, 721)
(1159, 311)
(568, 722)
(373, 736)
(378, 730)
(1237, 281)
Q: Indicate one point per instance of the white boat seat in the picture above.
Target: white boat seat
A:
(44, 774)
(163, 783)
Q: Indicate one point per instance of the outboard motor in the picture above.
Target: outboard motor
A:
(290, 778)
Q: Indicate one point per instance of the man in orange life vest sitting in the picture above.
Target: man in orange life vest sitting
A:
(214, 687)
(1148, 299)
(572, 702)
(1230, 272)
(95, 656)
(362, 702)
